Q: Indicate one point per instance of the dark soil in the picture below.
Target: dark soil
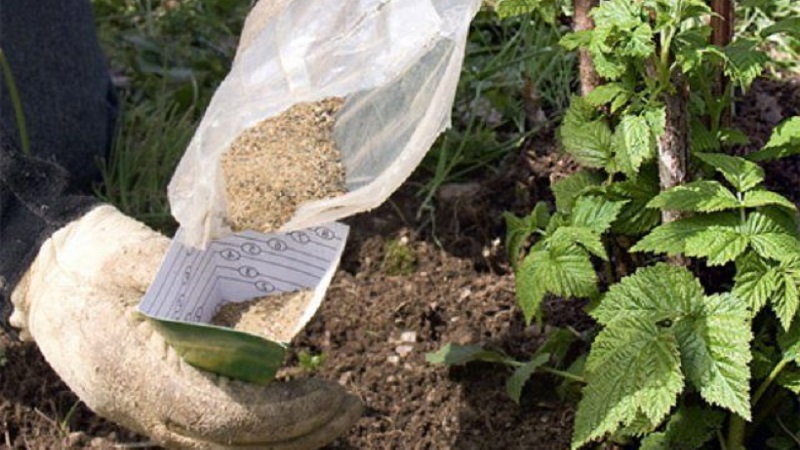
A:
(375, 328)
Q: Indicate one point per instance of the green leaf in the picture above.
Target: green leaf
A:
(689, 428)
(223, 351)
(571, 41)
(517, 380)
(457, 355)
(785, 305)
(745, 61)
(587, 139)
(519, 229)
(657, 120)
(618, 14)
(585, 237)
(639, 43)
(742, 174)
(670, 238)
(605, 93)
(654, 294)
(756, 282)
(635, 217)
(595, 213)
(697, 196)
(633, 144)
(733, 136)
(760, 197)
(718, 244)
(589, 143)
(702, 139)
(547, 9)
(566, 190)
(789, 343)
(633, 369)
(777, 246)
(790, 379)
(784, 141)
(564, 271)
(715, 352)
(790, 26)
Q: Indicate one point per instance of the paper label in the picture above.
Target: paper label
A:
(192, 285)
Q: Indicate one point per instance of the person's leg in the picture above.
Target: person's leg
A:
(62, 77)
(70, 112)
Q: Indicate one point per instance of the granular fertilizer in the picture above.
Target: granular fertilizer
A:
(281, 162)
(273, 317)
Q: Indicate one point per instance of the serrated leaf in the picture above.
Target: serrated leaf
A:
(715, 352)
(639, 43)
(654, 293)
(635, 217)
(589, 143)
(756, 282)
(790, 379)
(566, 190)
(742, 174)
(604, 93)
(697, 196)
(571, 41)
(546, 9)
(759, 197)
(670, 238)
(702, 139)
(771, 220)
(564, 271)
(790, 26)
(719, 245)
(633, 144)
(657, 120)
(689, 428)
(789, 343)
(517, 380)
(784, 141)
(777, 246)
(633, 369)
(620, 101)
(585, 237)
(595, 213)
(519, 229)
(617, 14)
(733, 136)
(457, 355)
(745, 61)
(785, 305)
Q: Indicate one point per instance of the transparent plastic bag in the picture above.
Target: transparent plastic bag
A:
(395, 62)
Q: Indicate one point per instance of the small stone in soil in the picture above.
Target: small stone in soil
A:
(273, 317)
(281, 162)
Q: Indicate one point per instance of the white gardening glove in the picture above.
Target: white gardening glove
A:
(77, 301)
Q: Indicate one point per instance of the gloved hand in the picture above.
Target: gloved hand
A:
(77, 302)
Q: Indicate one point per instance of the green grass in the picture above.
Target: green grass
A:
(169, 56)
(516, 82)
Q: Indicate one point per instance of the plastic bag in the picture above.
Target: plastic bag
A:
(395, 62)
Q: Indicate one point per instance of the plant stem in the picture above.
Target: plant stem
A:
(768, 381)
(735, 433)
(563, 374)
(16, 103)
(582, 21)
(736, 427)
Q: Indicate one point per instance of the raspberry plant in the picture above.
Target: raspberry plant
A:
(674, 364)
